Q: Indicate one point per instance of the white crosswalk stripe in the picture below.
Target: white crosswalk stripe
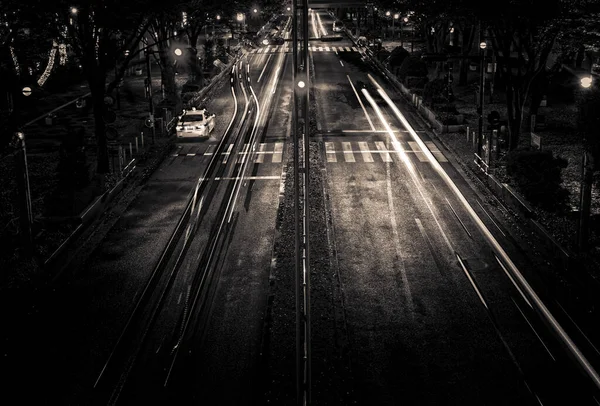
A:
(330, 152)
(281, 49)
(348, 154)
(278, 152)
(355, 49)
(227, 153)
(327, 49)
(385, 155)
(260, 155)
(435, 151)
(364, 150)
(348, 49)
(417, 150)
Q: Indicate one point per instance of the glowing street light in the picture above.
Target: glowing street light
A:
(74, 10)
(301, 84)
(586, 82)
(218, 17)
(178, 52)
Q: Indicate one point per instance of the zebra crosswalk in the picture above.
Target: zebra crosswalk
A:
(344, 151)
(285, 48)
(261, 153)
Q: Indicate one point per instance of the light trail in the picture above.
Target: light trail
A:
(559, 331)
(361, 103)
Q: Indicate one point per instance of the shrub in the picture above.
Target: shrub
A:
(412, 66)
(538, 177)
(398, 56)
(433, 92)
(415, 82)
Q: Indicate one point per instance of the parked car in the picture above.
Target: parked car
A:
(195, 123)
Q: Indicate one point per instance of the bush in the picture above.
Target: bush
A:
(415, 82)
(412, 66)
(433, 92)
(397, 56)
(538, 177)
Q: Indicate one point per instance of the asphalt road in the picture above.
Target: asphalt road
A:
(420, 332)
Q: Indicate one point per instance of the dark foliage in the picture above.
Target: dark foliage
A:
(412, 66)
(538, 177)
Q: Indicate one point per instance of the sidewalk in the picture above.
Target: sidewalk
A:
(133, 149)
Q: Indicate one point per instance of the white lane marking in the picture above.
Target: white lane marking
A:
(327, 49)
(190, 154)
(550, 319)
(532, 329)
(459, 220)
(418, 152)
(227, 153)
(263, 69)
(399, 256)
(334, 49)
(374, 131)
(364, 150)
(492, 220)
(464, 269)
(330, 152)
(513, 281)
(320, 49)
(313, 48)
(385, 155)
(260, 156)
(341, 63)
(348, 49)
(361, 103)
(435, 151)
(348, 154)
(278, 152)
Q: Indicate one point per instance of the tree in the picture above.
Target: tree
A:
(98, 32)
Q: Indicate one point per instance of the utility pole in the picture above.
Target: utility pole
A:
(26, 215)
(482, 46)
(149, 92)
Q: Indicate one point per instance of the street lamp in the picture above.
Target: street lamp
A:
(482, 47)
(74, 10)
(396, 16)
(587, 180)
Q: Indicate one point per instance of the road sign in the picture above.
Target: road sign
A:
(536, 141)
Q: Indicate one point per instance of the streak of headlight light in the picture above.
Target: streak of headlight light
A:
(246, 156)
(323, 30)
(584, 363)
(408, 163)
(275, 81)
(314, 25)
(265, 67)
(395, 142)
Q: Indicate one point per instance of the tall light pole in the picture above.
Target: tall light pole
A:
(585, 196)
(482, 47)
(388, 14)
(396, 16)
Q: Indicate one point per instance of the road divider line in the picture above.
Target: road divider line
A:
(533, 329)
(405, 284)
(263, 69)
(361, 104)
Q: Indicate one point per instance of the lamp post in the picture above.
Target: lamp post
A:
(396, 16)
(388, 14)
(585, 196)
(482, 46)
